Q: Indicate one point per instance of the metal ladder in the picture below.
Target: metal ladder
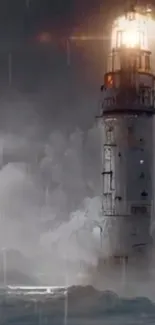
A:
(108, 202)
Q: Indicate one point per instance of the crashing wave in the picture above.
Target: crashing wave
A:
(79, 305)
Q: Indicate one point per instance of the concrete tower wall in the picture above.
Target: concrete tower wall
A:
(127, 180)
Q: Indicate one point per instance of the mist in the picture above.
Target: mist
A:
(49, 194)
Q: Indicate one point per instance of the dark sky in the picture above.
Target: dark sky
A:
(16, 16)
(41, 69)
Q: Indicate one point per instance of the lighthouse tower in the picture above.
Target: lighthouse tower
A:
(126, 118)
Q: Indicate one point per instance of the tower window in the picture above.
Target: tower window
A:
(139, 62)
(147, 62)
(142, 175)
(138, 209)
(130, 129)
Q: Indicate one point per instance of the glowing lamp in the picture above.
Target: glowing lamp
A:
(131, 33)
(130, 38)
(109, 81)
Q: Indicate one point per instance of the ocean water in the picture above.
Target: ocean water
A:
(77, 306)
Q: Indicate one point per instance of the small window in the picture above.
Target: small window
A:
(142, 175)
(139, 62)
(130, 129)
(147, 62)
(138, 209)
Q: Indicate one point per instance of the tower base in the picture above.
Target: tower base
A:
(122, 273)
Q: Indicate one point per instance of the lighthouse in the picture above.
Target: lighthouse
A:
(126, 123)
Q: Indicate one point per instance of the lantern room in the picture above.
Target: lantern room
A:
(130, 31)
(129, 44)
